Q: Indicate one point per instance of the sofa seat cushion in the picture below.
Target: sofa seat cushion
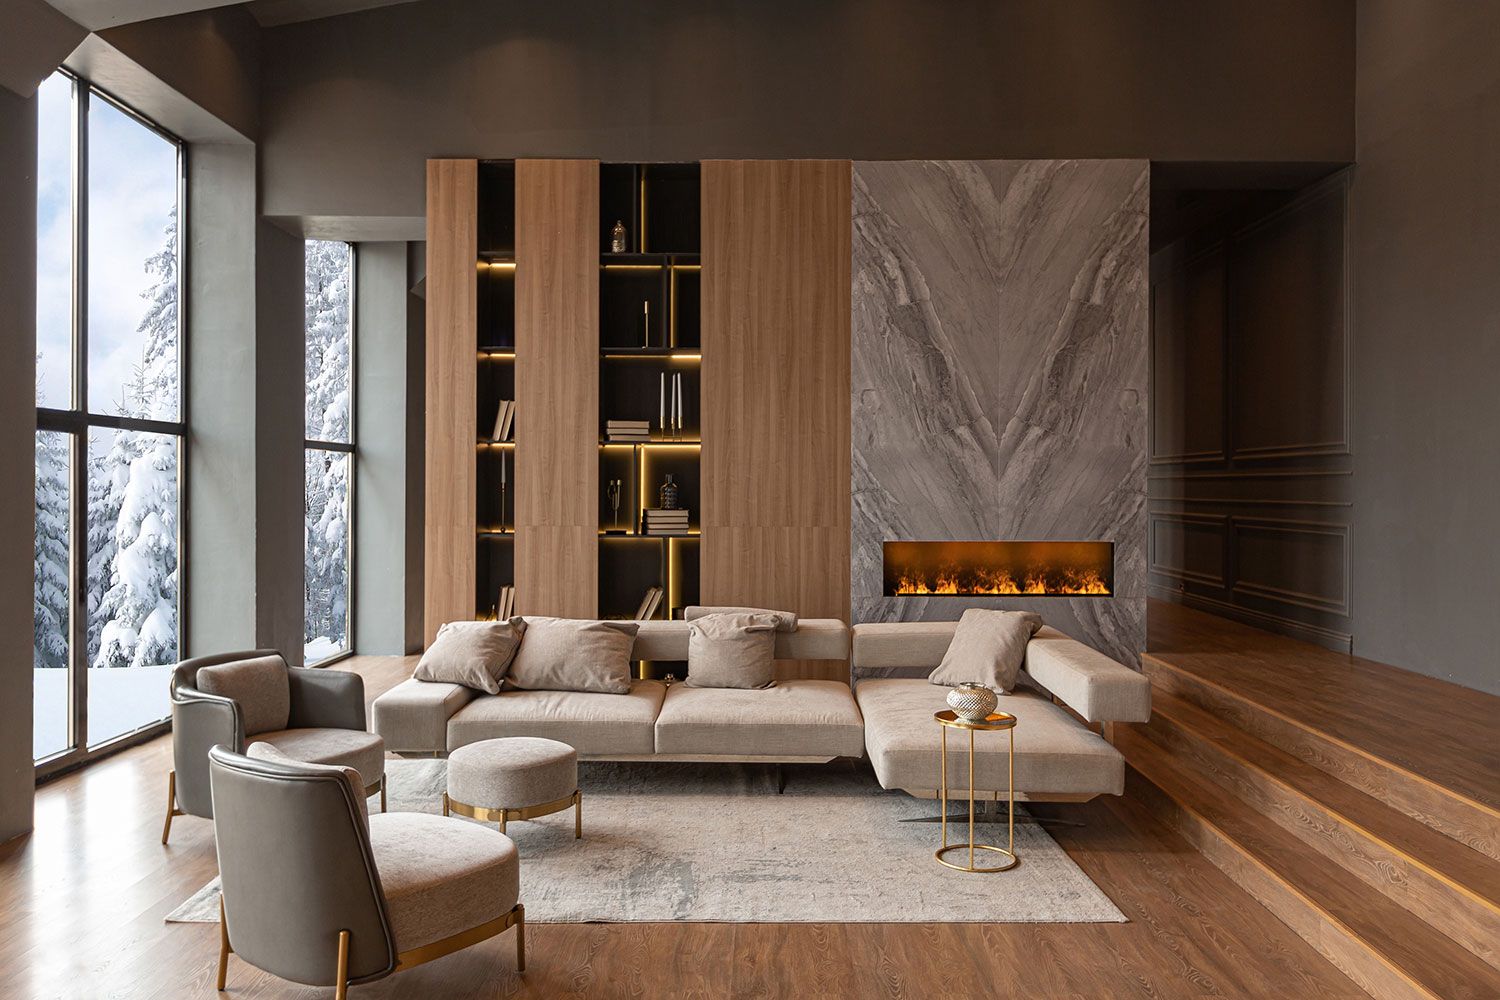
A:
(590, 722)
(442, 876)
(1054, 752)
(796, 718)
(365, 752)
(413, 716)
(259, 685)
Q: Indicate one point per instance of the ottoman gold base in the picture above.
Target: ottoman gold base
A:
(502, 815)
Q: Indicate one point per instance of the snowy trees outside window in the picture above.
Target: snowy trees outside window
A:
(328, 469)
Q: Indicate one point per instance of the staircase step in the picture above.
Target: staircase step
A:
(1387, 950)
(1453, 888)
(1471, 821)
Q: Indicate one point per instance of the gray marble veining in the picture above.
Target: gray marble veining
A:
(999, 372)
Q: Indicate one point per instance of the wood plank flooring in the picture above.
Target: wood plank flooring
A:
(82, 902)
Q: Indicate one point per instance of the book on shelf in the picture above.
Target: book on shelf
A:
(505, 415)
(630, 431)
(505, 607)
(649, 603)
(665, 522)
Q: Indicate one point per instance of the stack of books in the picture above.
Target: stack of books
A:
(506, 606)
(649, 604)
(505, 418)
(665, 522)
(627, 430)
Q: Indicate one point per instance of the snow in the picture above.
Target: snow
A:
(320, 648)
(119, 701)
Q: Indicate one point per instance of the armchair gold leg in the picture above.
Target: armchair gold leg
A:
(382, 793)
(172, 810)
(578, 815)
(224, 948)
(445, 803)
(341, 985)
(520, 938)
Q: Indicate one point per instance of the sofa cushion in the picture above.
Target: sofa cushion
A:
(365, 752)
(1054, 752)
(474, 654)
(413, 716)
(260, 687)
(591, 723)
(442, 876)
(988, 649)
(796, 718)
(732, 651)
(786, 621)
(567, 654)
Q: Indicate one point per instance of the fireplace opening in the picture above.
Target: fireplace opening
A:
(975, 569)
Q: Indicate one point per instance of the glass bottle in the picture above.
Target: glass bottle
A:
(667, 495)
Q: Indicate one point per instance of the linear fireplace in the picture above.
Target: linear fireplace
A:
(972, 569)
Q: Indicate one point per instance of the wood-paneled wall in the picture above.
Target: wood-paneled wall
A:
(452, 339)
(557, 387)
(776, 241)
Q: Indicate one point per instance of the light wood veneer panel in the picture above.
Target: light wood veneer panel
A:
(776, 385)
(557, 387)
(452, 339)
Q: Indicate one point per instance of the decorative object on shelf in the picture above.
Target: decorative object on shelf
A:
(617, 237)
(503, 463)
(612, 492)
(973, 702)
(677, 395)
(646, 323)
(671, 406)
(627, 431)
(667, 494)
(669, 680)
(663, 521)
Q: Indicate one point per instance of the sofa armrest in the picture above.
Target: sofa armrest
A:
(412, 717)
(199, 722)
(1090, 683)
(326, 699)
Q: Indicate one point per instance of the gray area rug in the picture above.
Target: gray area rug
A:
(715, 843)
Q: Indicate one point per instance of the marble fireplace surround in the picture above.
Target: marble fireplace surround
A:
(999, 374)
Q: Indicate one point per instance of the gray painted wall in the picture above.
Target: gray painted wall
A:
(17, 455)
(1427, 350)
(999, 375)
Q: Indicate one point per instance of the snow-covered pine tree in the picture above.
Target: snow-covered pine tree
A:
(50, 584)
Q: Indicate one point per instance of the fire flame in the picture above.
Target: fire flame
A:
(952, 580)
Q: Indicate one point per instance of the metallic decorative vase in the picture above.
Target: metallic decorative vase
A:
(667, 495)
(972, 702)
(617, 238)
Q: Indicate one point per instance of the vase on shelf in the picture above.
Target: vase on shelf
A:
(617, 237)
(667, 495)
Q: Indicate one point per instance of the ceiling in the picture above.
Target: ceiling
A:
(96, 15)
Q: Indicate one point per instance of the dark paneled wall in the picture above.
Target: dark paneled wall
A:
(1251, 429)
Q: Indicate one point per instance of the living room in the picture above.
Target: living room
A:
(750, 499)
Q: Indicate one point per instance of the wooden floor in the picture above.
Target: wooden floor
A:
(82, 902)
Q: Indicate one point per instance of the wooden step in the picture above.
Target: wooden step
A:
(1450, 886)
(1451, 811)
(1387, 950)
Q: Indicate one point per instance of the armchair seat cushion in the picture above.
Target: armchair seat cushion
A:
(365, 752)
(442, 876)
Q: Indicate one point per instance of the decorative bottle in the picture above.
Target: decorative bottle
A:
(617, 237)
(667, 495)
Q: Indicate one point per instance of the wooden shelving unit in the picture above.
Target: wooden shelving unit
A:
(495, 358)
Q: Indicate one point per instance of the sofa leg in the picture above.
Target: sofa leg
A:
(224, 948)
(780, 779)
(382, 793)
(341, 984)
(172, 810)
(520, 938)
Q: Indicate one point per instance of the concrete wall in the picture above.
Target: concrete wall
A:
(1427, 350)
(17, 454)
(354, 105)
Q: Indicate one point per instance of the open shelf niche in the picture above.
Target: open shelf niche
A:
(495, 460)
(650, 352)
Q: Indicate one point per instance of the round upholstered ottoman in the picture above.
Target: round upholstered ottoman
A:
(519, 777)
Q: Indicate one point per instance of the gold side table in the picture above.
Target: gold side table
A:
(995, 722)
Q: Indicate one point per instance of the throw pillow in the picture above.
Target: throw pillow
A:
(732, 651)
(566, 654)
(988, 649)
(258, 684)
(474, 654)
(786, 621)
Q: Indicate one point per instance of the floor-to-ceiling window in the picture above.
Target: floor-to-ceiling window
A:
(110, 422)
(328, 458)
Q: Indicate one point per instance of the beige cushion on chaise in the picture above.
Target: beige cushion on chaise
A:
(512, 773)
(796, 718)
(365, 752)
(594, 724)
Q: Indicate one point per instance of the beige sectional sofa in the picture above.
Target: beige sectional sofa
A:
(885, 715)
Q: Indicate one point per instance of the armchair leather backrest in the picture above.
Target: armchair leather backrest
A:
(185, 674)
(200, 721)
(296, 868)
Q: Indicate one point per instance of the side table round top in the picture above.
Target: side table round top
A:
(993, 721)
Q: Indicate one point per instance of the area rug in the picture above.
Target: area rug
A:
(716, 843)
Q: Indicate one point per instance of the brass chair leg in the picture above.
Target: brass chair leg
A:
(502, 821)
(224, 948)
(172, 810)
(578, 815)
(445, 803)
(382, 793)
(341, 985)
(520, 938)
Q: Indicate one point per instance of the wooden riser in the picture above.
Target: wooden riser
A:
(1451, 887)
(1467, 821)
(1387, 951)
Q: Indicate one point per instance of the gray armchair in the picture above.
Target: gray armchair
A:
(317, 892)
(317, 716)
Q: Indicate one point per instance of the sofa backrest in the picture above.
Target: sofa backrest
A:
(907, 649)
(815, 639)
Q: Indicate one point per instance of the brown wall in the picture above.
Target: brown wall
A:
(1427, 351)
(353, 106)
(1251, 430)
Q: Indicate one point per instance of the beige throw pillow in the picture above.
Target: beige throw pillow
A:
(474, 654)
(732, 651)
(786, 621)
(988, 649)
(567, 654)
